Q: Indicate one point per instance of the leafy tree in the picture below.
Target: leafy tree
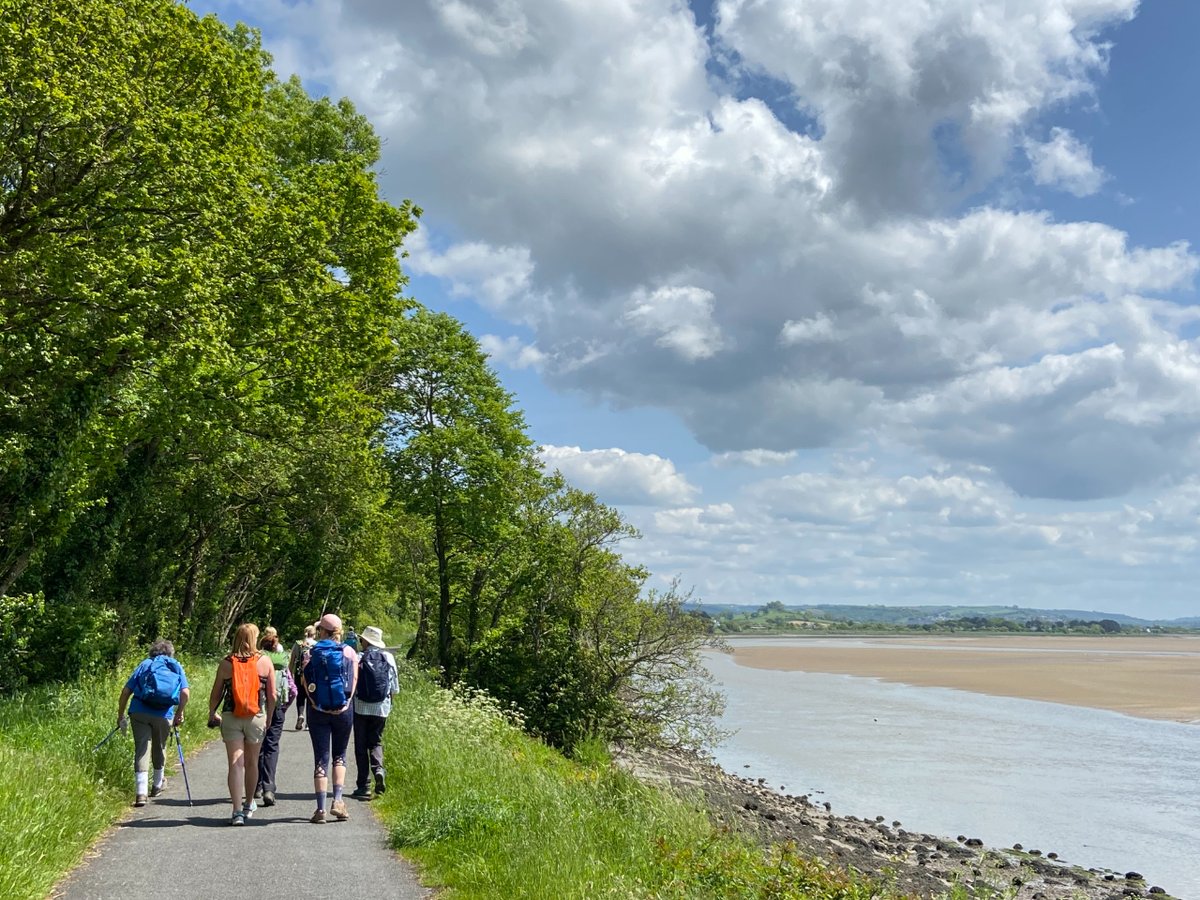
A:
(458, 451)
(198, 302)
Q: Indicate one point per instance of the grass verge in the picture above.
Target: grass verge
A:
(487, 812)
(57, 794)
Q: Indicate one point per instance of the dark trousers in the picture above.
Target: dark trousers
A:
(268, 756)
(300, 701)
(368, 747)
(330, 735)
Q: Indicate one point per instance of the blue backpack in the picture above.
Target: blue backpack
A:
(158, 682)
(328, 675)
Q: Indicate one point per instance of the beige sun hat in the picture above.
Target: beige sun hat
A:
(372, 635)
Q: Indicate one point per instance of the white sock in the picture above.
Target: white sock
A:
(141, 779)
(158, 778)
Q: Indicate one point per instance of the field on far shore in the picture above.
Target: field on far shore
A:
(1154, 677)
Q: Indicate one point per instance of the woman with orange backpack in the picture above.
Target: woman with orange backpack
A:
(245, 690)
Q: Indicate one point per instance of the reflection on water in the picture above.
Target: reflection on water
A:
(1098, 788)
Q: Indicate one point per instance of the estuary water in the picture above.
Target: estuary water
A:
(1101, 789)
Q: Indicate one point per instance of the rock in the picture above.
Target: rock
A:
(895, 823)
(1018, 847)
(1133, 876)
(1157, 890)
(828, 806)
(1052, 855)
(961, 838)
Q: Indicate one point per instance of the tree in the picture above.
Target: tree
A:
(458, 450)
(199, 293)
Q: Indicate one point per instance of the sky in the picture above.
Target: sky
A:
(838, 301)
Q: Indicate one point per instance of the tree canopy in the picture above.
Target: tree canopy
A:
(216, 403)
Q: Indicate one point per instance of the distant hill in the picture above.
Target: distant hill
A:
(925, 615)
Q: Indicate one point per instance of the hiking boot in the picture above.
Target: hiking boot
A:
(248, 809)
(155, 791)
(258, 792)
(139, 800)
(238, 819)
(361, 794)
(268, 798)
(318, 818)
(339, 810)
(380, 784)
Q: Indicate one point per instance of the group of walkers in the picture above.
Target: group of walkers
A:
(345, 693)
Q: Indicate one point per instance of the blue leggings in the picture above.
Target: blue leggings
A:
(330, 734)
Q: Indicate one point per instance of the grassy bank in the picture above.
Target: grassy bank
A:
(57, 794)
(488, 813)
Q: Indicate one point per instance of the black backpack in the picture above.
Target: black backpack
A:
(374, 676)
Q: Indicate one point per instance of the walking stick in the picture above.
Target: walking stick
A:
(183, 766)
(107, 738)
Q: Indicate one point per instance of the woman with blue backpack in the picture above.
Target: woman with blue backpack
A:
(330, 676)
(158, 689)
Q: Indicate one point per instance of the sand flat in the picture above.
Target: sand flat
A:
(1155, 677)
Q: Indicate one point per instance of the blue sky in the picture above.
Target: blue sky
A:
(860, 301)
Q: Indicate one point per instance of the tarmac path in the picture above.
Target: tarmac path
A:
(170, 849)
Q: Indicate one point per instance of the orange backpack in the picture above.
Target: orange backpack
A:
(245, 686)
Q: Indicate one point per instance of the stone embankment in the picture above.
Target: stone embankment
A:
(918, 864)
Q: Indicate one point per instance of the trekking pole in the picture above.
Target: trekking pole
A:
(107, 738)
(183, 766)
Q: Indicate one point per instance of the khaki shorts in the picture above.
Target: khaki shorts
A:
(248, 729)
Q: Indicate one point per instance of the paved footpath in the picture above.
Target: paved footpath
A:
(168, 849)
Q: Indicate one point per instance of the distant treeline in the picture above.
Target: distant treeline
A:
(776, 617)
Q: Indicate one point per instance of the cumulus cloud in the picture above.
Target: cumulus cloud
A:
(616, 476)
(512, 352)
(677, 317)
(1064, 162)
(605, 176)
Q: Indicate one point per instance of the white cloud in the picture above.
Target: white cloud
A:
(756, 459)
(498, 278)
(679, 318)
(1064, 162)
(512, 352)
(616, 476)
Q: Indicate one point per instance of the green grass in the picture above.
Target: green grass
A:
(487, 812)
(57, 794)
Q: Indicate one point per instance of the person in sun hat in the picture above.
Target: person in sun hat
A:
(378, 683)
(330, 675)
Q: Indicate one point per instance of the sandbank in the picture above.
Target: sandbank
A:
(1154, 677)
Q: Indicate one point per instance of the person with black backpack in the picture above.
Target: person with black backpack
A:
(158, 689)
(330, 677)
(378, 683)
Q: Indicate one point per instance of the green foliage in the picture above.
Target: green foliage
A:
(489, 812)
(42, 643)
(199, 298)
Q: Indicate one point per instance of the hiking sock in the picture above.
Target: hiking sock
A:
(321, 800)
(141, 779)
(337, 792)
(158, 778)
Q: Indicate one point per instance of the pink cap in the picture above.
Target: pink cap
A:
(329, 622)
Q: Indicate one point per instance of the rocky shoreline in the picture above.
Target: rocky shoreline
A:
(917, 864)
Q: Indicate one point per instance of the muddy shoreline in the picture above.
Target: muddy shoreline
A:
(916, 863)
